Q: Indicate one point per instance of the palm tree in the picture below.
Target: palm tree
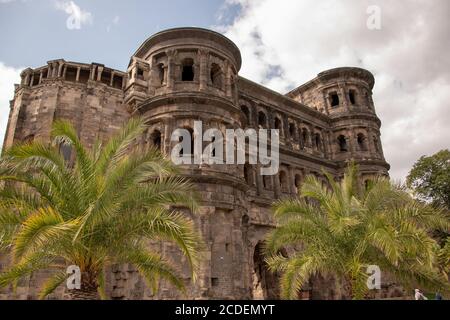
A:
(100, 209)
(343, 228)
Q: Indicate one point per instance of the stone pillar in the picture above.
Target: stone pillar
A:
(343, 96)
(171, 54)
(77, 79)
(203, 59)
(92, 72)
(111, 82)
(227, 81)
(351, 142)
(291, 180)
(60, 68)
(41, 75)
(54, 70)
(32, 79)
(99, 74)
(276, 185)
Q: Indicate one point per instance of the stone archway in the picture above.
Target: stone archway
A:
(265, 283)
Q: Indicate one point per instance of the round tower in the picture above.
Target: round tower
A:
(177, 79)
(345, 95)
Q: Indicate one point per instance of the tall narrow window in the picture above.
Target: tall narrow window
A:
(277, 123)
(304, 138)
(156, 139)
(262, 120)
(361, 139)
(342, 141)
(246, 112)
(352, 96)
(161, 73)
(318, 141)
(283, 181)
(216, 76)
(297, 182)
(187, 73)
(140, 73)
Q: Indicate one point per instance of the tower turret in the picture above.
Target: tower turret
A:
(345, 95)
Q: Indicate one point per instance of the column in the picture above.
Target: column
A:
(171, 54)
(111, 82)
(227, 81)
(61, 65)
(41, 75)
(99, 74)
(203, 58)
(77, 79)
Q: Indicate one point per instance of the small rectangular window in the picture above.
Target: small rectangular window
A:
(334, 99)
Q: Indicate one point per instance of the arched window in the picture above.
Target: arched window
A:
(342, 141)
(284, 182)
(187, 73)
(246, 112)
(216, 76)
(161, 72)
(262, 120)
(361, 139)
(297, 182)
(156, 139)
(277, 123)
(318, 141)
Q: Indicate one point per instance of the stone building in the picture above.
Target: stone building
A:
(181, 75)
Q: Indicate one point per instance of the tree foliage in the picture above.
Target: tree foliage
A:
(342, 228)
(101, 208)
(430, 178)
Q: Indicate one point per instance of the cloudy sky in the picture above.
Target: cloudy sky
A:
(283, 44)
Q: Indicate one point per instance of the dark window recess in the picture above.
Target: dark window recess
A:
(161, 73)
(334, 99)
(84, 75)
(277, 124)
(117, 82)
(140, 74)
(342, 144)
(352, 96)
(71, 74)
(106, 77)
(262, 119)
(187, 73)
(156, 139)
(361, 142)
(214, 282)
(246, 112)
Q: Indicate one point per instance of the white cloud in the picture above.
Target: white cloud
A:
(115, 21)
(8, 77)
(286, 43)
(77, 16)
